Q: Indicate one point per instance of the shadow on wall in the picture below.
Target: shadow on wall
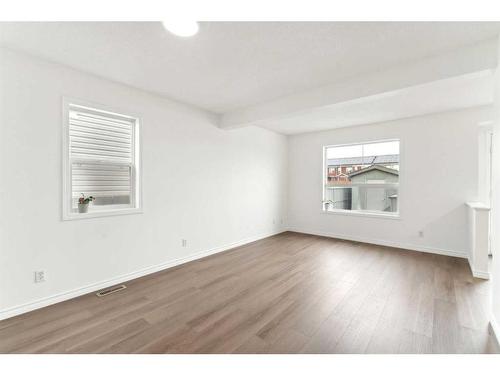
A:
(453, 226)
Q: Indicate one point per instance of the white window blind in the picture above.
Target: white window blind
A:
(102, 156)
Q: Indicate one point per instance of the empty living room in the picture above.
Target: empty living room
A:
(279, 192)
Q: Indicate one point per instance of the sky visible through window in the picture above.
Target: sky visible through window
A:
(369, 149)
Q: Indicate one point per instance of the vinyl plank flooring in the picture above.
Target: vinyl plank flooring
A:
(288, 342)
(252, 345)
(414, 343)
(289, 293)
(100, 342)
(358, 334)
(446, 336)
(326, 338)
(54, 338)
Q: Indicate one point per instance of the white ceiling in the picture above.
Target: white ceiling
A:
(465, 91)
(229, 66)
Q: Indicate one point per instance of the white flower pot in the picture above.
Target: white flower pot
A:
(83, 208)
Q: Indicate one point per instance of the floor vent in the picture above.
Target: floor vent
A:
(108, 291)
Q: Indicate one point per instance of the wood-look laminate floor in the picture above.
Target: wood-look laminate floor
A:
(290, 293)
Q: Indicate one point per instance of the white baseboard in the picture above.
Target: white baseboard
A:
(495, 329)
(480, 274)
(46, 301)
(374, 241)
(477, 273)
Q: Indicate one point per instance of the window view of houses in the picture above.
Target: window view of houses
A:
(362, 177)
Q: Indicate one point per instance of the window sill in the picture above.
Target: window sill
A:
(103, 213)
(395, 216)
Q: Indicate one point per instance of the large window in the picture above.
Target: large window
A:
(362, 178)
(101, 160)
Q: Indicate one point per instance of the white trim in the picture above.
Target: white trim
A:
(478, 206)
(66, 173)
(103, 213)
(495, 329)
(361, 143)
(486, 125)
(477, 273)
(374, 241)
(480, 274)
(394, 216)
(56, 298)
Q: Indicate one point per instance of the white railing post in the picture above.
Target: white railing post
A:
(479, 224)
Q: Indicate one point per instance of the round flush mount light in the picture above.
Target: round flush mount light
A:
(181, 27)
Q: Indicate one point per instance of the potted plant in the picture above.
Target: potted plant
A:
(83, 203)
(328, 204)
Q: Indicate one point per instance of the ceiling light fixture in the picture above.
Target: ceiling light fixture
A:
(182, 27)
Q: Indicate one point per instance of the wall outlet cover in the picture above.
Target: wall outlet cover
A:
(39, 276)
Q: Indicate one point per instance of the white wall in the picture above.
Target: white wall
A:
(439, 156)
(210, 186)
(495, 212)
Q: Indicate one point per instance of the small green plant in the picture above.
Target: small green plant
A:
(327, 204)
(85, 200)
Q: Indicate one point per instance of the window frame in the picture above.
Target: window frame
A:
(362, 213)
(135, 206)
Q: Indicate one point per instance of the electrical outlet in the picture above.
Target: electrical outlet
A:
(274, 221)
(281, 221)
(420, 233)
(184, 242)
(39, 276)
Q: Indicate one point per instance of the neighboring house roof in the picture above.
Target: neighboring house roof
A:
(372, 167)
(380, 159)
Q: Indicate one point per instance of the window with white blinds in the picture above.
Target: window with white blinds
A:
(102, 159)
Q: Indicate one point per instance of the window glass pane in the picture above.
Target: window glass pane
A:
(381, 148)
(108, 183)
(111, 200)
(362, 177)
(373, 198)
(340, 197)
(345, 151)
